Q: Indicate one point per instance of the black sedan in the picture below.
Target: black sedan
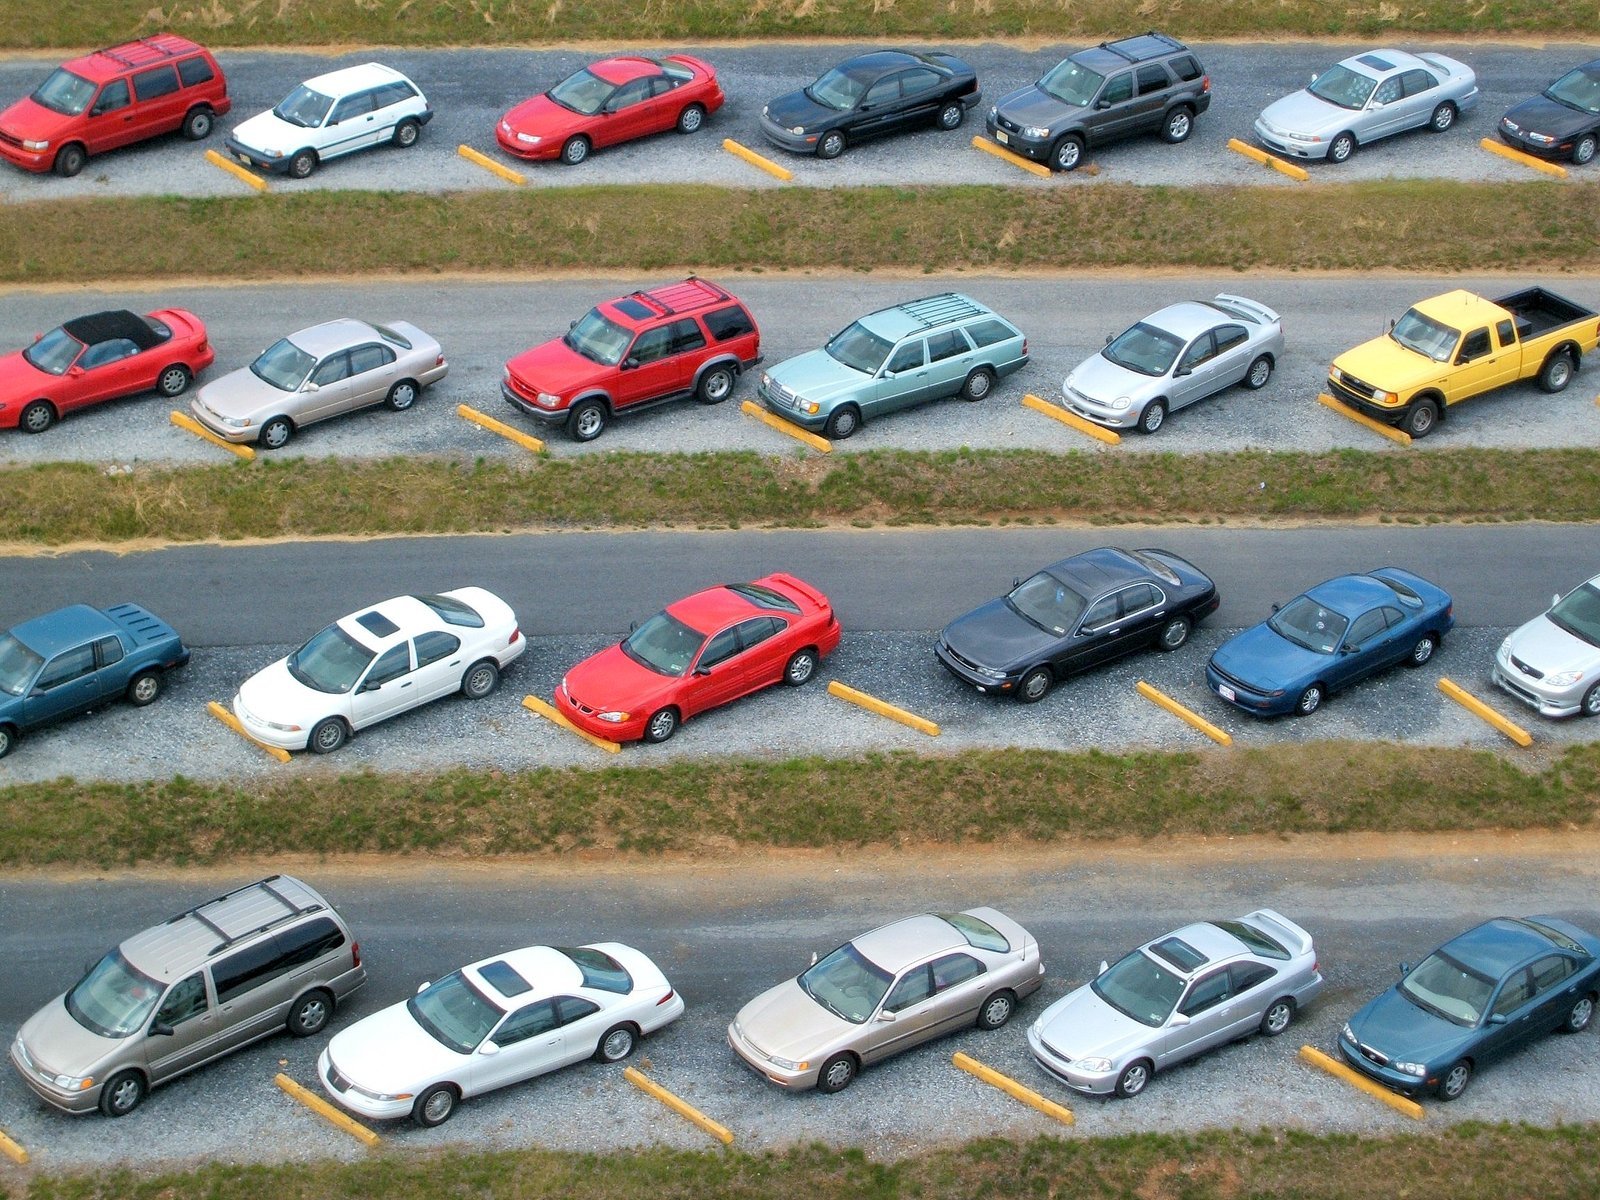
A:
(1563, 121)
(1083, 611)
(885, 91)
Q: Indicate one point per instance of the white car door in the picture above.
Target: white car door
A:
(526, 1043)
(352, 124)
(440, 663)
(389, 687)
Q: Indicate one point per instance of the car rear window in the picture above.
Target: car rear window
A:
(393, 93)
(763, 597)
(389, 335)
(989, 331)
(1186, 67)
(600, 970)
(154, 83)
(195, 70)
(1407, 596)
(977, 932)
(1252, 937)
(453, 612)
(1556, 936)
(727, 323)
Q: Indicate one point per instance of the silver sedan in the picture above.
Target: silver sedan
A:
(1203, 986)
(1174, 357)
(1553, 661)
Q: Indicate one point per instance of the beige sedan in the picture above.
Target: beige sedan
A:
(324, 371)
(885, 992)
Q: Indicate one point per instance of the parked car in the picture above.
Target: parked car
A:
(611, 101)
(1563, 121)
(1330, 637)
(1367, 97)
(645, 348)
(354, 108)
(704, 651)
(103, 356)
(270, 956)
(496, 1022)
(112, 98)
(928, 349)
(1081, 612)
(1175, 357)
(377, 663)
(1145, 84)
(885, 992)
(1553, 661)
(885, 91)
(324, 371)
(80, 658)
(1180, 995)
(1487, 991)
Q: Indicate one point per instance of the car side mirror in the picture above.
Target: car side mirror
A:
(1016, 581)
(310, 386)
(1177, 1021)
(424, 986)
(74, 371)
(1104, 967)
(372, 685)
(1102, 104)
(1314, 78)
(160, 1029)
(1555, 600)
(886, 1017)
(702, 671)
(1110, 337)
(1182, 371)
(572, 324)
(1350, 648)
(489, 1048)
(630, 363)
(1405, 968)
(813, 959)
(1276, 607)
(1497, 1018)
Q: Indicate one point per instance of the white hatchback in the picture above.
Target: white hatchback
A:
(334, 114)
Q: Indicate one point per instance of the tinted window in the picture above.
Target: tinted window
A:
(250, 968)
(332, 370)
(67, 666)
(1393, 616)
(1551, 972)
(1518, 990)
(358, 105)
(988, 332)
(1206, 993)
(453, 612)
(1229, 336)
(1203, 350)
(600, 970)
(652, 344)
(1139, 597)
(393, 93)
(919, 80)
(1505, 332)
(1418, 81)
(1475, 345)
(434, 645)
(885, 91)
(112, 97)
(1366, 627)
(686, 336)
(914, 987)
(631, 92)
(102, 353)
(575, 1008)
(721, 648)
(1102, 613)
(393, 663)
(110, 649)
(757, 630)
(953, 969)
(195, 70)
(661, 85)
(526, 1022)
(306, 943)
(184, 1000)
(946, 345)
(1388, 91)
(1185, 67)
(1152, 79)
(1249, 975)
(763, 597)
(369, 358)
(907, 358)
(156, 82)
(1254, 938)
(1119, 89)
(728, 323)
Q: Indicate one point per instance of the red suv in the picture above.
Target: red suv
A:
(689, 338)
(113, 98)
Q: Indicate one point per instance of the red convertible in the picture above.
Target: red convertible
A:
(100, 357)
(613, 100)
(703, 651)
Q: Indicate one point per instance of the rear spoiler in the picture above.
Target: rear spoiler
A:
(1254, 307)
(1297, 940)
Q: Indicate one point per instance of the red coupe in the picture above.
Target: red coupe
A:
(100, 357)
(703, 651)
(613, 100)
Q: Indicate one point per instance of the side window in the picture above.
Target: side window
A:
(908, 358)
(1119, 90)
(434, 645)
(1474, 345)
(185, 999)
(393, 93)
(369, 358)
(1186, 67)
(155, 83)
(661, 85)
(112, 97)
(575, 1008)
(358, 105)
(1205, 993)
(1518, 990)
(686, 336)
(247, 969)
(728, 323)
(1393, 616)
(885, 91)
(989, 332)
(1203, 350)
(1388, 91)
(1418, 81)
(652, 344)
(109, 648)
(304, 944)
(1152, 78)
(720, 648)
(1366, 627)
(1229, 336)
(392, 663)
(195, 70)
(1139, 597)
(919, 80)
(1248, 975)
(67, 666)
(1506, 332)
(949, 344)
(1552, 972)
(630, 93)
(757, 630)
(103, 353)
(915, 986)
(1102, 612)
(526, 1023)
(332, 370)
(953, 969)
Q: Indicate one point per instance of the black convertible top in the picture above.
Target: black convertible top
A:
(112, 324)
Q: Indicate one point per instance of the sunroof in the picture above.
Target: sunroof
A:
(505, 979)
(634, 309)
(377, 624)
(1376, 63)
(1179, 953)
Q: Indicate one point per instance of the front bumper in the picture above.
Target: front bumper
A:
(258, 159)
(550, 416)
(1522, 139)
(1389, 414)
(262, 732)
(544, 149)
(1101, 414)
(76, 1103)
(795, 143)
(1013, 140)
(1090, 1083)
(1549, 701)
(343, 1093)
(1280, 142)
(969, 673)
(214, 423)
(1241, 695)
(588, 720)
(39, 162)
(766, 1068)
(1410, 1085)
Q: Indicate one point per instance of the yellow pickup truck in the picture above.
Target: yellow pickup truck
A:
(1452, 347)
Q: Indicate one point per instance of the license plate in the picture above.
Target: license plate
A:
(1226, 692)
(1001, 137)
(245, 159)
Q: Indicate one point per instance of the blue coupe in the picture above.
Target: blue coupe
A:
(1489, 990)
(1327, 638)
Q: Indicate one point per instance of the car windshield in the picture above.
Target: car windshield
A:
(455, 1014)
(284, 365)
(304, 107)
(1048, 603)
(582, 92)
(1579, 89)
(1141, 988)
(330, 662)
(837, 90)
(664, 644)
(1447, 988)
(1343, 87)
(847, 984)
(1578, 613)
(858, 348)
(1071, 83)
(64, 92)
(599, 338)
(1306, 623)
(1145, 349)
(18, 665)
(1425, 336)
(114, 999)
(54, 352)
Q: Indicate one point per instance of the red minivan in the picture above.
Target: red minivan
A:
(115, 97)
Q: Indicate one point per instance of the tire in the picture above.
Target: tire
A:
(8, 740)
(435, 1105)
(831, 145)
(715, 385)
(310, 1014)
(401, 396)
(587, 421)
(1589, 706)
(123, 1093)
(951, 115)
(801, 667)
(1067, 154)
(1583, 150)
(1260, 371)
(662, 725)
(406, 134)
(1341, 148)
(979, 383)
(1454, 1084)
(302, 164)
(143, 688)
(1422, 651)
(37, 417)
(1444, 116)
(1153, 417)
(174, 381)
(327, 736)
(1178, 125)
(1135, 1076)
(1557, 372)
(1174, 634)
(1581, 1015)
(837, 1073)
(1420, 418)
(1310, 700)
(1035, 685)
(198, 123)
(691, 118)
(1278, 1017)
(617, 1044)
(842, 422)
(275, 433)
(997, 1010)
(481, 679)
(70, 159)
(575, 151)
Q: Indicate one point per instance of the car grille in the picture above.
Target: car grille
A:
(1352, 386)
(1007, 124)
(1371, 1055)
(960, 658)
(1233, 679)
(336, 1079)
(576, 703)
(1516, 689)
(776, 393)
(1530, 672)
(1054, 1053)
(10, 139)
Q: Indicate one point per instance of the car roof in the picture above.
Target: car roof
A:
(1095, 572)
(111, 324)
(406, 614)
(182, 943)
(1125, 52)
(688, 296)
(1498, 945)
(1379, 63)
(545, 970)
(101, 65)
(1461, 309)
(1348, 593)
(353, 79)
(1189, 318)
(714, 608)
(880, 62)
(1216, 944)
(340, 334)
(923, 315)
(625, 67)
(61, 630)
(896, 946)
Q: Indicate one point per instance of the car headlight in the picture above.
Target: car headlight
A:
(1505, 645)
(236, 422)
(987, 672)
(73, 1083)
(530, 138)
(1411, 1068)
(1335, 373)
(35, 146)
(616, 716)
(547, 400)
(280, 728)
(1383, 397)
(994, 111)
(1036, 131)
(1563, 678)
(766, 379)
(764, 109)
(808, 406)
(1122, 403)
(798, 130)
(272, 154)
(790, 1065)
(1347, 1033)
(1093, 1064)
(381, 1097)
(1305, 137)
(1544, 139)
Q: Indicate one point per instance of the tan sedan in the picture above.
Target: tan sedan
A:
(885, 992)
(324, 371)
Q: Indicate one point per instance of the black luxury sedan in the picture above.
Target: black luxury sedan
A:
(1079, 613)
(1563, 121)
(886, 91)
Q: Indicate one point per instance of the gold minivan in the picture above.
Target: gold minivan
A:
(264, 957)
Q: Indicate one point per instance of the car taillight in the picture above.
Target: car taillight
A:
(355, 953)
(516, 635)
(665, 998)
(438, 359)
(1205, 83)
(204, 345)
(1024, 347)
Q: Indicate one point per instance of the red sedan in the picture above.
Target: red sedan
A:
(613, 100)
(703, 651)
(100, 357)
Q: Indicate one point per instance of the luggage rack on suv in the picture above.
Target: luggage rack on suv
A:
(160, 47)
(290, 910)
(693, 293)
(1142, 47)
(937, 310)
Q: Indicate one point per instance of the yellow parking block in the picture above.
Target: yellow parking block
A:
(682, 1107)
(12, 1151)
(185, 421)
(489, 164)
(1526, 160)
(1282, 166)
(751, 409)
(1109, 436)
(1013, 1089)
(326, 1111)
(1479, 709)
(882, 708)
(757, 160)
(526, 440)
(548, 712)
(234, 169)
(1344, 410)
(1162, 700)
(1010, 156)
(1355, 1079)
(232, 722)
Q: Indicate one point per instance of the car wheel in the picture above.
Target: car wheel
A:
(123, 1093)
(435, 1105)
(480, 680)
(1175, 633)
(1278, 1017)
(401, 396)
(198, 123)
(37, 417)
(1133, 1079)
(1556, 372)
(144, 688)
(302, 164)
(1179, 125)
(575, 151)
(617, 1044)
(587, 421)
(661, 725)
(174, 380)
(1068, 153)
(406, 134)
(951, 115)
(801, 667)
(837, 1073)
(1153, 417)
(1310, 700)
(1454, 1084)
(70, 159)
(8, 740)
(842, 422)
(310, 1014)
(328, 735)
(1444, 116)
(997, 1010)
(1583, 150)
(1422, 651)
(691, 118)
(715, 386)
(1420, 418)
(1035, 685)
(831, 145)
(1260, 371)
(978, 384)
(1579, 1015)
(275, 434)
(1341, 148)
(1589, 706)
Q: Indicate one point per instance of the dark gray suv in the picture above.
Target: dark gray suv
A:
(1145, 84)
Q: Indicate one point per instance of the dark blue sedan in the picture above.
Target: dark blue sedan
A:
(1490, 990)
(1330, 637)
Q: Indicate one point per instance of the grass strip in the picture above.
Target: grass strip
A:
(640, 229)
(880, 799)
(62, 503)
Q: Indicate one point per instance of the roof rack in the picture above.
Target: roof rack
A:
(663, 298)
(160, 45)
(291, 910)
(936, 310)
(1120, 46)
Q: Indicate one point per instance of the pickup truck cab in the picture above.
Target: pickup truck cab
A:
(1458, 345)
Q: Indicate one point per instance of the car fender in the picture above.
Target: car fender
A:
(721, 360)
(599, 394)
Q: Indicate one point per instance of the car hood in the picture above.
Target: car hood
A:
(1385, 363)
(269, 132)
(797, 108)
(389, 1052)
(1103, 380)
(31, 121)
(543, 117)
(1032, 105)
(1301, 112)
(272, 694)
(1549, 649)
(994, 635)
(611, 681)
(1081, 1025)
(1397, 1028)
(1263, 660)
(817, 375)
(243, 393)
(554, 367)
(57, 1042)
(21, 380)
(786, 1022)
(1540, 114)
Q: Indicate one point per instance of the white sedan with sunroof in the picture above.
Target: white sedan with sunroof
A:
(495, 1023)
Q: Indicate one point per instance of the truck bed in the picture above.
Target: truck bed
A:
(1539, 311)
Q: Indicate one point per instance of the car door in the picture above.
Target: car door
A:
(1143, 614)
(440, 664)
(1555, 991)
(647, 370)
(112, 120)
(159, 103)
(1362, 651)
(1194, 372)
(65, 686)
(253, 987)
(1510, 1019)
(659, 112)
(921, 95)
(1232, 358)
(189, 1016)
(909, 1014)
(104, 371)
(1088, 644)
(626, 114)
(728, 667)
(1385, 110)
(110, 680)
(1253, 990)
(372, 372)
(329, 391)
(708, 683)
(688, 339)
(902, 381)
(527, 1042)
(1151, 85)
(1483, 361)
(1112, 116)
(352, 124)
(389, 687)
(879, 109)
(1421, 94)
(949, 358)
(1202, 1019)
(960, 985)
